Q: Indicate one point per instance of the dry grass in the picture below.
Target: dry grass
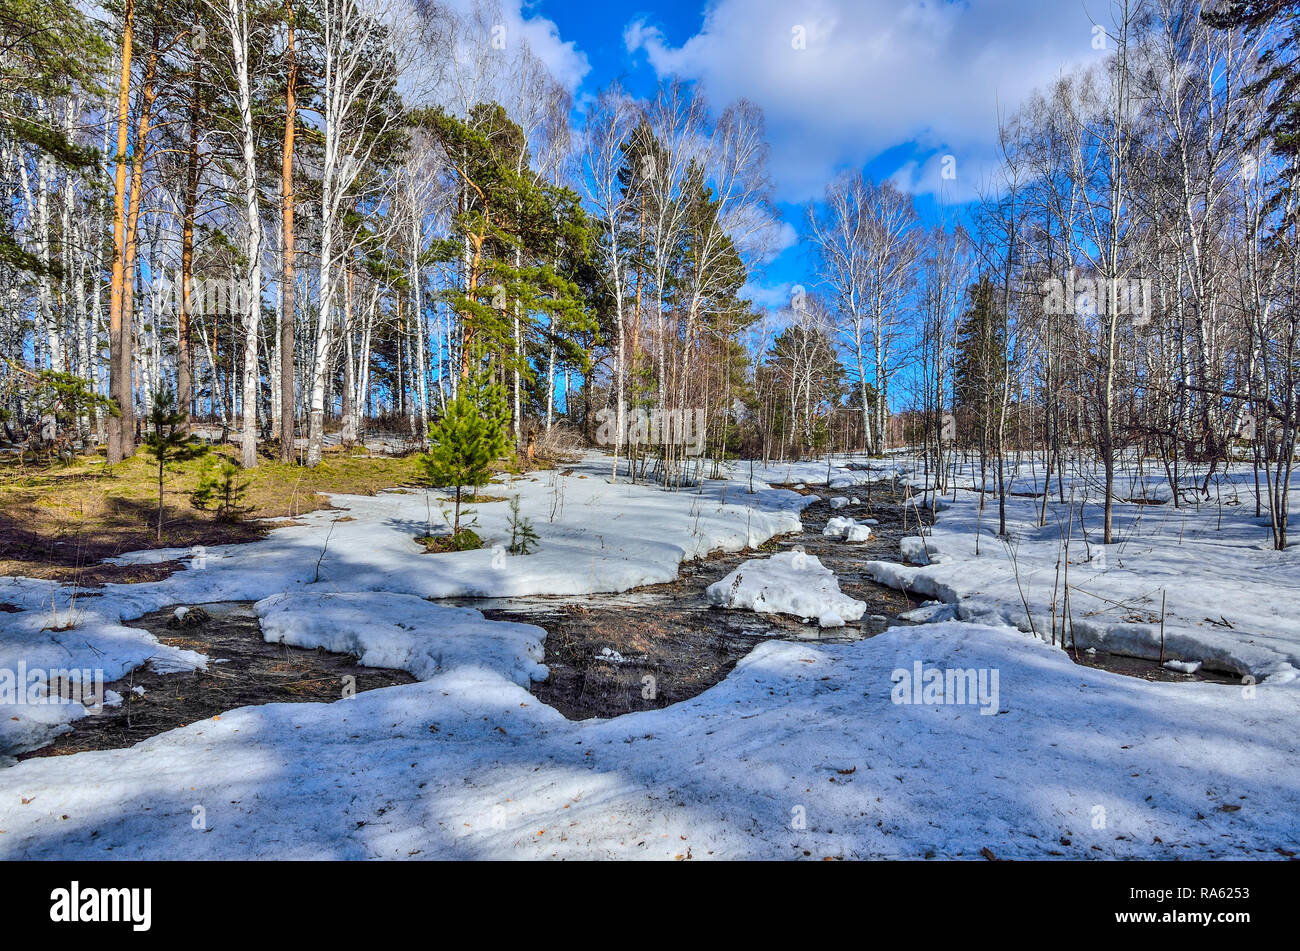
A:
(60, 521)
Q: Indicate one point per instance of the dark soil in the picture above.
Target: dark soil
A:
(608, 654)
(242, 670)
(669, 633)
(65, 555)
(1148, 669)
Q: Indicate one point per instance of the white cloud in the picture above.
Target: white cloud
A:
(760, 233)
(767, 296)
(976, 174)
(876, 74)
(566, 63)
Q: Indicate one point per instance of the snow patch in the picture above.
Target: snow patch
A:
(848, 530)
(787, 583)
(403, 632)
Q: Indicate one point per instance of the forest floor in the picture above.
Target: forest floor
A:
(470, 734)
(243, 669)
(599, 647)
(61, 521)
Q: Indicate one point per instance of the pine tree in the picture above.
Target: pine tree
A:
(524, 239)
(980, 361)
(222, 488)
(167, 441)
(57, 400)
(522, 536)
(466, 440)
(49, 48)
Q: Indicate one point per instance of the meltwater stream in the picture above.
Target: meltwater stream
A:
(608, 654)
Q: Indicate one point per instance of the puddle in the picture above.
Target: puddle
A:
(1150, 670)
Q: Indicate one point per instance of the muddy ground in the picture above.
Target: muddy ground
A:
(609, 654)
(243, 669)
(601, 649)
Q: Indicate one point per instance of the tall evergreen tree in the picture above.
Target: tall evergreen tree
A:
(980, 358)
(1277, 23)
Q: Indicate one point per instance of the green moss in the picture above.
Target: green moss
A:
(464, 540)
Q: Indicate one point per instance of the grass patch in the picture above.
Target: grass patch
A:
(60, 521)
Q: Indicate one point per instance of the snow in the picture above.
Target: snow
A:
(1228, 596)
(1227, 593)
(914, 550)
(800, 750)
(846, 529)
(839, 501)
(930, 611)
(39, 639)
(790, 582)
(594, 537)
(402, 632)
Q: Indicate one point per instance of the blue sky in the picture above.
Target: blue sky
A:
(597, 30)
(887, 86)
